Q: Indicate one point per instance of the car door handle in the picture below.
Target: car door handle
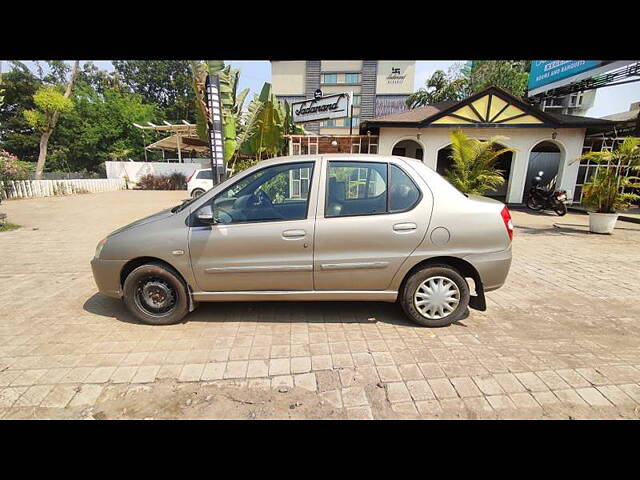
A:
(294, 234)
(404, 227)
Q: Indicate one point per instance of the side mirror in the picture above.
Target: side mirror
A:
(205, 215)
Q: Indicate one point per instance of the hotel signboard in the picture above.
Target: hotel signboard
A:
(550, 74)
(322, 108)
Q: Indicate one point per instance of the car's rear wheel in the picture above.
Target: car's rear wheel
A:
(197, 192)
(156, 295)
(435, 296)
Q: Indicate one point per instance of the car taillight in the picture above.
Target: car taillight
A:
(506, 218)
(190, 176)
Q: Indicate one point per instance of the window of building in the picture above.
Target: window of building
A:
(351, 78)
(329, 78)
(299, 180)
(356, 100)
(328, 123)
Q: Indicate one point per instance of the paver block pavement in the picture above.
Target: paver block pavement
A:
(548, 336)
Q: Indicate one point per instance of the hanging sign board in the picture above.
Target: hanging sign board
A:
(323, 108)
(216, 140)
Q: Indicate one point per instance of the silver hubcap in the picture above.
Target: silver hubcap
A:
(436, 297)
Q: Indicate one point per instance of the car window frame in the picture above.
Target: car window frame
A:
(420, 195)
(388, 199)
(312, 165)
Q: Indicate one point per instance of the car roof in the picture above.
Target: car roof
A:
(337, 156)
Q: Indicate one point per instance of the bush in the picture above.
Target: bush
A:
(175, 181)
(11, 168)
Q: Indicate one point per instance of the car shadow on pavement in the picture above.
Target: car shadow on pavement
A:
(268, 312)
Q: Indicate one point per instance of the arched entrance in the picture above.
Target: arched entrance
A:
(408, 148)
(546, 157)
(443, 160)
(503, 163)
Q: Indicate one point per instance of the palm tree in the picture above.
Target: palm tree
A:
(474, 171)
(605, 191)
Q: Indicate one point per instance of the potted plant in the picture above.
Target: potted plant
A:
(604, 195)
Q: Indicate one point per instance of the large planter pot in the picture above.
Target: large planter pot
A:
(602, 222)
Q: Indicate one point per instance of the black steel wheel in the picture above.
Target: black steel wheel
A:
(156, 295)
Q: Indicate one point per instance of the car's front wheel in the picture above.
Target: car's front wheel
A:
(156, 295)
(435, 296)
(197, 192)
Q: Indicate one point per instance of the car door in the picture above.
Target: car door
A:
(371, 217)
(263, 238)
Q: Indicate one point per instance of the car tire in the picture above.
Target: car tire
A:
(451, 287)
(196, 192)
(156, 295)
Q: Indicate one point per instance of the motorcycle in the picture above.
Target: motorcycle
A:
(546, 197)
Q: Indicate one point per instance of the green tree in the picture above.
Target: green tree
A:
(461, 81)
(438, 88)
(167, 84)
(16, 135)
(100, 128)
(510, 75)
(474, 171)
(50, 104)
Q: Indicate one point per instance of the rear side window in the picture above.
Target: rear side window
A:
(403, 193)
(205, 175)
(361, 188)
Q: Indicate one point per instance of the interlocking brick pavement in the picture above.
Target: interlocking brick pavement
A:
(561, 339)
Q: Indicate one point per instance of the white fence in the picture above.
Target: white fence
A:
(48, 188)
(134, 170)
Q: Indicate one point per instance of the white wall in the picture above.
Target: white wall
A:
(134, 170)
(287, 77)
(569, 140)
(48, 188)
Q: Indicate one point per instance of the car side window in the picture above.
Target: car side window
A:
(403, 193)
(276, 193)
(361, 188)
(356, 188)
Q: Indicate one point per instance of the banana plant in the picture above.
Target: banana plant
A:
(265, 140)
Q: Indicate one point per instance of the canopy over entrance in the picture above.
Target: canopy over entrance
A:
(184, 137)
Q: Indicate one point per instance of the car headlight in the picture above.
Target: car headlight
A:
(99, 247)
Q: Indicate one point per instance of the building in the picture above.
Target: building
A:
(625, 124)
(576, 103)
(542, 140)
(379, 87)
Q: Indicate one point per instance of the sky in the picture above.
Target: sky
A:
(609, 100)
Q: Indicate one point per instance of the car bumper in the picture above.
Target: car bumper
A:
(106, 274)
(492, 267)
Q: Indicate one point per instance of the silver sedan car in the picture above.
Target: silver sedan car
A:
(302, 228)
